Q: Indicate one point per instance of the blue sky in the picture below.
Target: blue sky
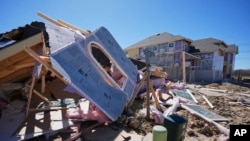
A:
(130, 21)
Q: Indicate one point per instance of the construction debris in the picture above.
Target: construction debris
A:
(61, 82)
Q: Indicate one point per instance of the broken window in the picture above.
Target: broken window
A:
(112, 72)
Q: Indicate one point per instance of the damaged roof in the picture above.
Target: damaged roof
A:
(22, 32)
(160, 38)
(232, 48)
(209, 45)
(16, 64)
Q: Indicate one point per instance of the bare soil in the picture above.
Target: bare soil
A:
(234, 105)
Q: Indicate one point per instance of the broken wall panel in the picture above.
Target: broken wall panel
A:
(71, 56)
(109, 45)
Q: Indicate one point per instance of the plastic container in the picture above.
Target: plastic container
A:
(159, 133)
(176, 126)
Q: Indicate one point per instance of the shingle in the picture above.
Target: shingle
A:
(209, 45)
(158, 39)
(232, 48)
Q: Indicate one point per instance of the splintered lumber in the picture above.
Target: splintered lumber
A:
(73, 27)
(158, 106)
(49, 19)
(217, 90)
(61, 23)
(78, 135)
(139, 85)
(30, 94)
(41, 96)
(208, 102)
(45, 64)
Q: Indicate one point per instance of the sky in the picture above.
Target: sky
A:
(130, 21)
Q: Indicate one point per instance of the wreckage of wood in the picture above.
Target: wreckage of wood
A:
(61, 23)
(205, 98)
(208, 102)
(45, 64)
(139, 85)
(151, 88)
(47, 109)
(31, 91)
(78, 135)
(158, 106)
(221, 128)
(216, 90)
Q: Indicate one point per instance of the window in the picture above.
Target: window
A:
(171, 45)
(112, 73)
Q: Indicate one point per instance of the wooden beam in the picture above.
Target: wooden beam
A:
(137, 89)
(44, 73)
(73, 27)
(45, 64)
(30, 94)
(41, 96)
(49, 19)
(14, 69)
(183, 67)
(47, 109)
(14, 50)
(158, 106)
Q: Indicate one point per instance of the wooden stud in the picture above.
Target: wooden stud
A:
(139, 85)
(30, 94)
(41, 96)
(47, 109)
(73, 27)
(183, 67)
(45, 64)
(49, 19)
(158, 106)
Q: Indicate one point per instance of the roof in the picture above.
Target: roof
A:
(21, 33)
(232, 48)
(16, 64)
(208, 45)
(158, 39)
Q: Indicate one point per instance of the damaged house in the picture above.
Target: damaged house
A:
(217, 59)
(209, 56)
(60, 82)
(47, 61)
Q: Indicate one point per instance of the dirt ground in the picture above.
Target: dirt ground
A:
(234, 104)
